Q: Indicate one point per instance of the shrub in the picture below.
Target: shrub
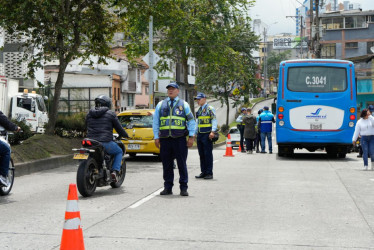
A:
(225, 129)
(16, 138)
(71, 126)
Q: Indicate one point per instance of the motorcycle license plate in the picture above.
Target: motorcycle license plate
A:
(133, 146)
(78, 156)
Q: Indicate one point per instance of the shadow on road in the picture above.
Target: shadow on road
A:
(312, 156)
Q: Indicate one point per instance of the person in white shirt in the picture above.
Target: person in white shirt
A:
(365, 128)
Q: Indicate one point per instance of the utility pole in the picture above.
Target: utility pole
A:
(311, 16)
(150, 71)
(301, 37)
(317, 45)
(265, 62)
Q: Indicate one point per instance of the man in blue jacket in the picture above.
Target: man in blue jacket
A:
(266, 121)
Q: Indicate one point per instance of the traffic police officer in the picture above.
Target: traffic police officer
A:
(206, 126)
(172, 122)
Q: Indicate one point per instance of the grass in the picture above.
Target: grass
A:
(43, 146)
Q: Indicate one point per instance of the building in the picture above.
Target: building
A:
(10, 56)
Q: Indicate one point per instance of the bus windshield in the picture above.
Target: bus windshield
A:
(317, 79)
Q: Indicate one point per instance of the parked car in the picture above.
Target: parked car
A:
(235, 136)
(138, 125)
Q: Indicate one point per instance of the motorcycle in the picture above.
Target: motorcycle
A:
(95, 166)
(5, 190)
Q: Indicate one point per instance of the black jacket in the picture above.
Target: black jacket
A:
(8, 125)
(100, 123)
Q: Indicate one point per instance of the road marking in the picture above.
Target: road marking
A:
(371, 179)
(145, 199)
(215, 161)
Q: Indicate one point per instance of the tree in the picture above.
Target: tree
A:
(227, 65)
(184, 28)
(273, 61)
(62, 29)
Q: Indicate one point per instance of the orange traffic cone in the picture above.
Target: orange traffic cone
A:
(228, 147)
(240, 148)
(72, 234)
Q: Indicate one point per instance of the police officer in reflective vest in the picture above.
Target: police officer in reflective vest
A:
(206, 126)
(172, 122)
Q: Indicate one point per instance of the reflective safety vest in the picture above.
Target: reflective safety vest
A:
(204, 119)
(173, 120)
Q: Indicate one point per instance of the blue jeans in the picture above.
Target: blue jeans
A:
(263, 136)
(4, 158)
(367, 144)
(113, 149)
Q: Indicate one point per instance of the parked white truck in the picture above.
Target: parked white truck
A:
(22, 106)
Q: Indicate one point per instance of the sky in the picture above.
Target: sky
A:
(274, 12)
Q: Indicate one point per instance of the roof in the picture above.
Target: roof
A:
(118, 52)
(364, 58)
(347, 13)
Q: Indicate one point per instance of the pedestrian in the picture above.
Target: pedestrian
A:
(249, 130)
(364, 128)
(5, 149)
(258, 132)
(206, 126)
(240, 126)
(266, 127)
(172, 123)
(100, 122)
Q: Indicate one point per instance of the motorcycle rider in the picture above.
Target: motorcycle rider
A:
(100, 122)
(5, 149)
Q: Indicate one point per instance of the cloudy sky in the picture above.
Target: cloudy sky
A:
(274, 12)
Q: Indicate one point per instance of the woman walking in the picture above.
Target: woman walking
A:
(364, 128)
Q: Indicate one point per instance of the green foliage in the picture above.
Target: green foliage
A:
(273, 61)
(60, 29)
(17, 137)
(71, 126)
(225, 129)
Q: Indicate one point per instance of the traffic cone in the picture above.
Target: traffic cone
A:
(72, 234)
(228, 147)
(240, 148)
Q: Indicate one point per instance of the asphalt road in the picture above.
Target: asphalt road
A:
(255, 201)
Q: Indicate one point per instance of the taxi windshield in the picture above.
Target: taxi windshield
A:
(136, 121)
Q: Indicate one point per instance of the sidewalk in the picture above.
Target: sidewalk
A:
(30, 167)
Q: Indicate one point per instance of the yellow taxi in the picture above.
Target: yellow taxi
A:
(138, 125)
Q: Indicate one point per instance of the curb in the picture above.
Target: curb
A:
(24, 168)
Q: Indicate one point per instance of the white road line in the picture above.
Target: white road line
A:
(371, 179)
(215, 161)
(145, 199)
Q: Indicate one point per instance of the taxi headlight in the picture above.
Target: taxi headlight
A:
(281, 123)
(351, 124)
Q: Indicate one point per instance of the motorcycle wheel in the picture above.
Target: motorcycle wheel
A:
(6, 190)
(121, 176)
(86, 181)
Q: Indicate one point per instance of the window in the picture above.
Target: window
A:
(355, 22)
(328, 51)
(136, 121)
(138, 75)
(189, 70)
(370, 45)
(317, 79)
(352, 45)
(130, 100)
(118, 96)
(371, 18)
(147, 90)
(26, 103)
(193, 70)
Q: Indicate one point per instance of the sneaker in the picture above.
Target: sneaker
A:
(4, 181)
(365, 168)
(166, 192)
(114, 176)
